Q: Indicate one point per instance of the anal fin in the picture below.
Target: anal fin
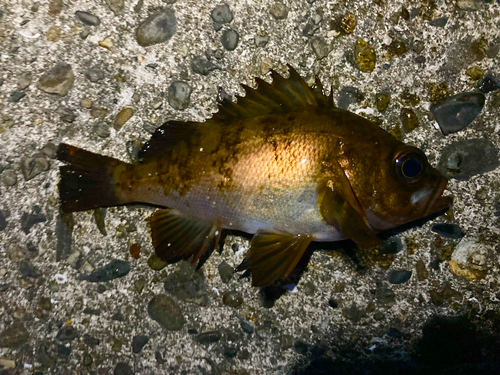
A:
(273, 255)
(177, 237)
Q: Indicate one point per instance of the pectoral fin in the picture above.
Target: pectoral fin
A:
(176, 237)
(339, 207)
(273, 255)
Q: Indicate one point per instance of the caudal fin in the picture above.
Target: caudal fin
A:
(88, 181)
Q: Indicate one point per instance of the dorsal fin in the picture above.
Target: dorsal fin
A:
(281, 96)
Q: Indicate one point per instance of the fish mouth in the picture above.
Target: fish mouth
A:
(439, 203)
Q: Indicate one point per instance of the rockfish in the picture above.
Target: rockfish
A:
(282, 163)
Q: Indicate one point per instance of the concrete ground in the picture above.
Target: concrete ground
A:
(82, 293)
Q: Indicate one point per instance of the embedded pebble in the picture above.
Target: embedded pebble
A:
(102, 130)
(59, 80)
(448, 230)
(94, 74)
(422, 273)
(3, 221)
(247, 327)
(116, 6)
(9, 177)
(221, 14)
(364, 55)
(409, 119)
(113, 270)
(279, 11)
(32, 167)
(262, 39)
(439, 22)
(353, 313)
(67, 333)
(166, 312)
(55, 7)
(27, 270)
(463, 159)
(159, 27)
(208, 337)
(138, 342)
(229, 39)
(320, 47)
(187, 285)
(202, 65)
(399, 276)
(382, 100)
(99, 218)
(24, 81)
(488, 84)
(88, 18)
(232, 299)
(30, 219)
(14, 336)
(123, 368)
(179, 93)
(122, 117)
(349, 95)
(458, 111)
(225, 272)
(156, 263)
(16, 96)
(67, 114)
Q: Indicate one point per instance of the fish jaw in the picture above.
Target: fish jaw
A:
(438, 202)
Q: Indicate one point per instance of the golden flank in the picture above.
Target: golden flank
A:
(283, 163)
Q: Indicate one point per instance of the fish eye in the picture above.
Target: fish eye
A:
(410, 167)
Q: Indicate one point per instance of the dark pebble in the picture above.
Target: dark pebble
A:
(448, 230)
(349, 95)
(122, 368)
(229, 39)
(232, 299)
(394, 333)
(63, 351)
(99, 217)
(385, 296)
(463, 159)
(50, 150)
(138, 342)
(458, 111)
(202, 65)
(179, 93)
(58, 80)
(27, 270)
(4, 287)
(102, 130)
(64, 232)
(3, 221)
(116, 6)
(28, 220)
(235, 247)
(439, 22)
(399, 276)
(87, 18)
(225, 272)
(392, 245)
(167, 312)
(90, 311)
(187, 285)
(159, 358)
(230, 352)
(90, 341)
(115, 269)
(353, 313)
(94, 75)
(247, 327)
(118, 317)
(208, 337)
(67, 114)
(301, 347)
(333, 303)
(101, 289)
(32, 167)
(14, 336)
(67, 333)
(221, 14)
(159, 27)
(488, 84)
(15, 96)
(193, 331)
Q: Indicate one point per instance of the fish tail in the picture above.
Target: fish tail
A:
(88, 181)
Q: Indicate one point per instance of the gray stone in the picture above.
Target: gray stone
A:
(399, 276)
(9, 177)
(59, 80)
(208, 337)
(113, 270)
(261, 40)
(116, 6)
(488, 84)
(463, 159)
(3, 221)
(94, 75)
(202, 65)
(279, 11)
(32, 167)
(187, 285)
(229, 39)
(232, 299)
(24, 81)
(320, 47)
(122, 368)
(88, 18)
(138, 342)
(159, 27)
(64, 232)
(27, 270)
(30, 219)
(439, 22)
(49, 150)
(247, 327)
(221, 14)
(67, 114)
(102, 130)
(179, 93)
(225, 272)
(448, 230)
(14, 336)
(167, 312)
(458, 111)
(349, 95)
(67, 333)
(16, 96)
(353, 313)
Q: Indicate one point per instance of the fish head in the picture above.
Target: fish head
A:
(399, 187)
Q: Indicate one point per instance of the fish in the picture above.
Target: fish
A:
(282, 163)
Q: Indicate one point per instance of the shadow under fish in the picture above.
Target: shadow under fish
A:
(282, 163)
